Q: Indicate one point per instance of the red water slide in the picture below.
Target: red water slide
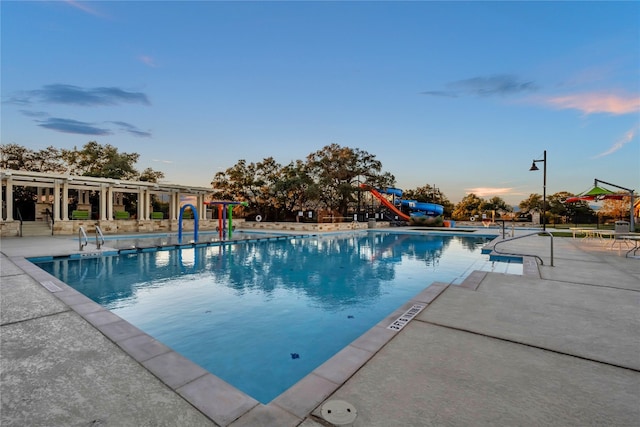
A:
(385, 202)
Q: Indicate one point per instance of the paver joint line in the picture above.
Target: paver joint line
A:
(17, 322)
(526, 344)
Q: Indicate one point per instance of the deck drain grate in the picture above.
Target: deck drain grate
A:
(401, 321)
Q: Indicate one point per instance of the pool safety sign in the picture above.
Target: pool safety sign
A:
(399, 323)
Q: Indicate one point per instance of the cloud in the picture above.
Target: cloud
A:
(163, 161)
(84, 128)
(68, 94)
(83, 6)
(489, 191)
(501, 84)
(147, 60)
(448, 94)
(597, 102)
(35, 114)
(72, 126)
(129, 128)
(626, 138)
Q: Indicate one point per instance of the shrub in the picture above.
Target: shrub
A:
(427, 221)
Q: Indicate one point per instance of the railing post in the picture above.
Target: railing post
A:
(99, 237)
(82, 235)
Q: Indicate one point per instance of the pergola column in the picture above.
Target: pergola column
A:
(140, 203)
(200, 204)
(103, 202)
(9, 199)
(174, 205)
(56, 200)
(65, 201)
(110, 198)
(147, 203)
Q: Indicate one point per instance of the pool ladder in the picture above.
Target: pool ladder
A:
(99, 237)
(83, 240)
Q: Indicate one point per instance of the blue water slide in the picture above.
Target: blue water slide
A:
(423, 208)
(417, 208)
(389, 190)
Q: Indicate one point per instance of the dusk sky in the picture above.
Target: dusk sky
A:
(460, 95)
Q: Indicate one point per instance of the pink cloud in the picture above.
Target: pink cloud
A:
(147, 60)
(590, 103)
(83, 6)
(489, 191)
(626, 138)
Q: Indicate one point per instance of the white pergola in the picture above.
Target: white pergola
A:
(53, 189)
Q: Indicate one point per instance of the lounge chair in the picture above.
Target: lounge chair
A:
(620, 233)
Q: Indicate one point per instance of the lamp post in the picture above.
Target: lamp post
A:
(544, 187)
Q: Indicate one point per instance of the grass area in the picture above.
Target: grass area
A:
(568, 226)
(565, 234)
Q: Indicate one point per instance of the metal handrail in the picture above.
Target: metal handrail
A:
(20, 219)
(99, 237)
(82, 235)
(536, 233)
(504, 233)
(50, 216)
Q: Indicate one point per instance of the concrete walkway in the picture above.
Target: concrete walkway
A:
(558, 346)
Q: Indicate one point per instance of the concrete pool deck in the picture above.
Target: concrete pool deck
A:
(557, 346)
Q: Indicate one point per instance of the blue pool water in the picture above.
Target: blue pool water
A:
(263, 314)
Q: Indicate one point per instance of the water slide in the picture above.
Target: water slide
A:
(417, 208)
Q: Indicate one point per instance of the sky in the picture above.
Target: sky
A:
(462, 96)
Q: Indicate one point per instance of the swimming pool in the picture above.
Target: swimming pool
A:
(262, 314)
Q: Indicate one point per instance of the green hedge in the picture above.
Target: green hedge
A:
(427, 221)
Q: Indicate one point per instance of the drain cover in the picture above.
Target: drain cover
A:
(339, 412)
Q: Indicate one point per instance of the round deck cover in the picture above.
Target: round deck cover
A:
(339, 412)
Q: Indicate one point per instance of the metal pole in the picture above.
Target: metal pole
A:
(544, 193)
(631, 196)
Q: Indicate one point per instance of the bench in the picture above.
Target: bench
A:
(157, 215)
(121, 215)
(79, 214)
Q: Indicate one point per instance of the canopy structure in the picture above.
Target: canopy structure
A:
(599, 193)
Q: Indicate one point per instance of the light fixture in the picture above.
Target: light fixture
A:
(544, 187)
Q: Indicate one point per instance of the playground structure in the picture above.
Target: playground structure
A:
(225, 222)
(225, 215)
(416, 209)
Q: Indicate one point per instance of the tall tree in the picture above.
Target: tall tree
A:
(104, 161)
(250, 183)
(561, 211)
(17, 157)
(496, 204)
(295, 190)
(150, 175)
(617, 208)
(336, 170)
(533, 202)
(470, 205)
